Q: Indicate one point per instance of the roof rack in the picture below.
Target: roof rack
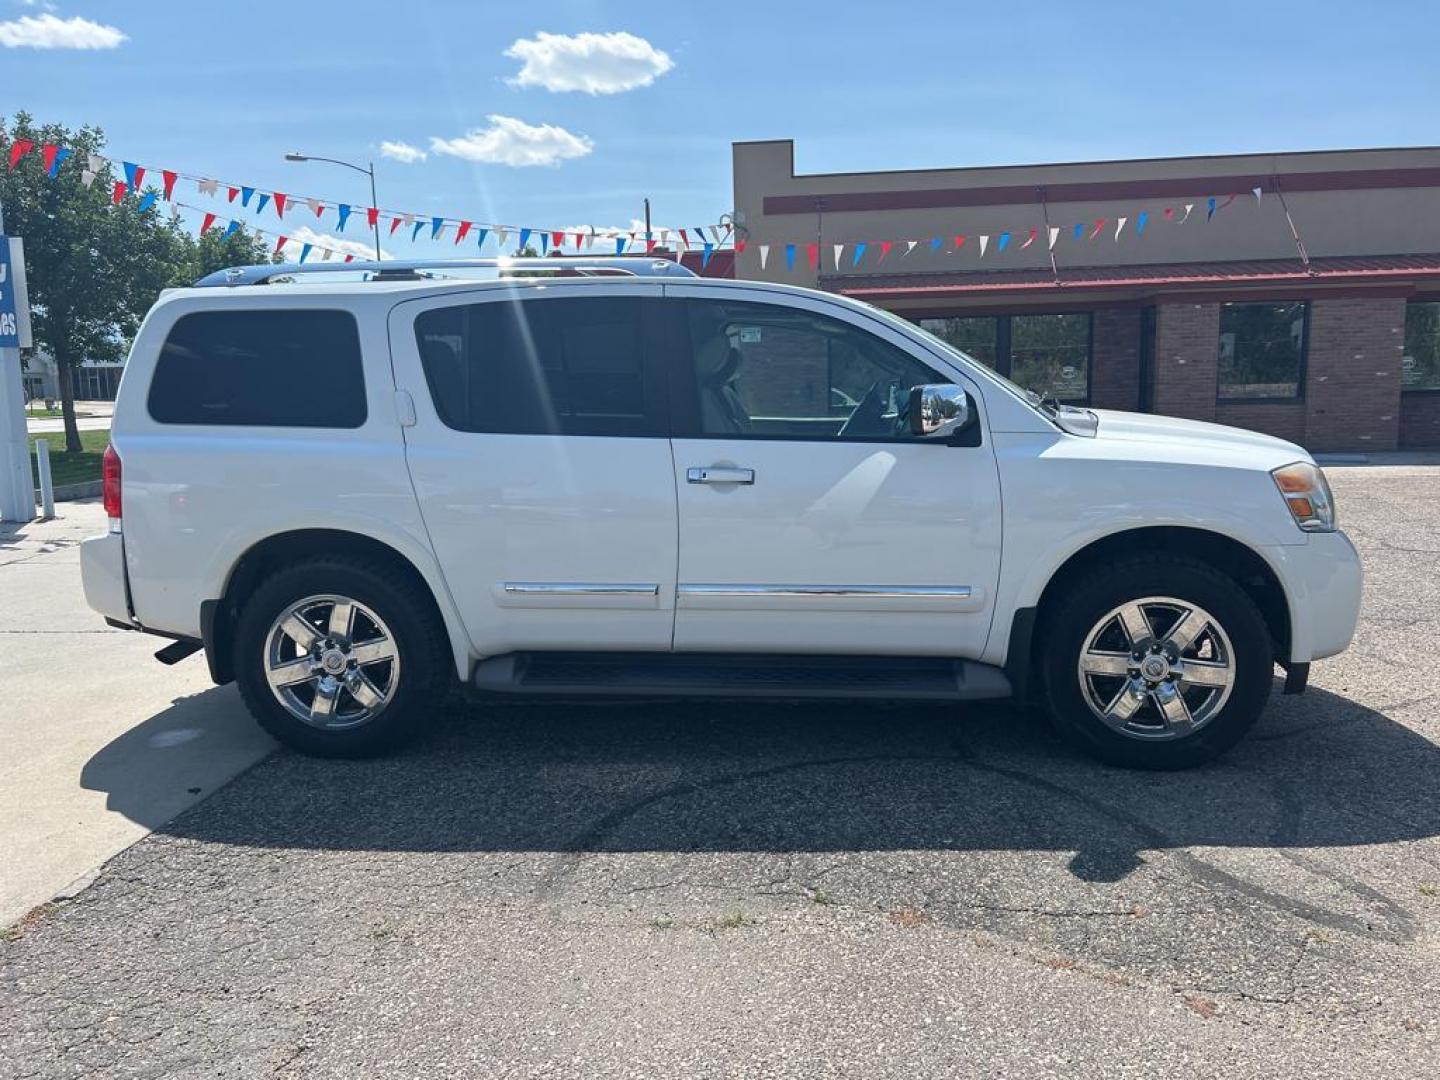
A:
(426, 269)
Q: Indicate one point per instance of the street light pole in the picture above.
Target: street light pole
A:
(369, 171)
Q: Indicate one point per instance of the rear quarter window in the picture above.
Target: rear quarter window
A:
(261, 369)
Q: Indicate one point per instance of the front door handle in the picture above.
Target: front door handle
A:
(719, 474)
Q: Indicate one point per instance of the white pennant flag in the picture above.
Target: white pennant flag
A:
(764, 255)
(174, 212)
(715, 232)
(206, 187)
(984, 243)
(909, 246)
(94, 162)
(838, 249)
(501, 235)
(1188, 207)
(1054, 235)
(87, 177)
(1256, 192)
(590, 239)
(325, 254)
(1119, 224)
(316, 206)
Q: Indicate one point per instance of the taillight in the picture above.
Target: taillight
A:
(110, 474)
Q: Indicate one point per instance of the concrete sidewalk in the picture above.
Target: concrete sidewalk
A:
(102, 743)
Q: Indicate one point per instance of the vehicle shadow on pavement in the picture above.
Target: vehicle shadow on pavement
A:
(724, 776)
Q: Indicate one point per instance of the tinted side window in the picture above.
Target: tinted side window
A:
(573, 366)
(261, 368)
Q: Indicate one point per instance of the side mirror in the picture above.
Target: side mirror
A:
(939, 410)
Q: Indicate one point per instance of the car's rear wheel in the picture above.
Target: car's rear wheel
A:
(1158, 662)
(340, 658)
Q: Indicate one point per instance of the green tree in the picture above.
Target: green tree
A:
(94, 269)
(216, 251)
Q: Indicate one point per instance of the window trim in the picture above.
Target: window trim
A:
(685, 416)
(1301, 372)
(1416, 389)
(1003, 338)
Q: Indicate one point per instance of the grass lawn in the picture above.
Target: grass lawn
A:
(72, 468)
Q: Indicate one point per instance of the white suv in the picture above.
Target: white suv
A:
(626, 481)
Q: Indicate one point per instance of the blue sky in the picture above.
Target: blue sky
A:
(226, 90)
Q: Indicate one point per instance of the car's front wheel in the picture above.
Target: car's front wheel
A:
(340, 657)
(1157, 662)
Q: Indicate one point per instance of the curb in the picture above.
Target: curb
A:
(90, 489)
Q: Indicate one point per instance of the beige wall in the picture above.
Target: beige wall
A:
(1350, 222)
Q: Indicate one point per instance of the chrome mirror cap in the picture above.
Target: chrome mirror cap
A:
(939, 410)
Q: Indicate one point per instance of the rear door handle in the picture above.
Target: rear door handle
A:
(719, 474)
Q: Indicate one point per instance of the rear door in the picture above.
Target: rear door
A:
(541, 461)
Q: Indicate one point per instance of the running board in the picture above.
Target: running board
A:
(741, 675)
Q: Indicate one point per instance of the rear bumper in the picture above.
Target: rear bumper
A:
(102, 575)
(1324, 581)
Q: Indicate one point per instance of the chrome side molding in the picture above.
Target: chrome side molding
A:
(577, 594)
(742, 597)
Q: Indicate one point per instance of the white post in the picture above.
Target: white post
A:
(17, 495)
(47, 488)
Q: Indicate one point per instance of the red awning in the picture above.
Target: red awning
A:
(1345, 269)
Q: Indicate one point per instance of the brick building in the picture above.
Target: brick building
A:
(1219, 318)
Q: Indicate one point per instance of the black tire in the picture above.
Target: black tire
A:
(406, 610)
(1068, 624)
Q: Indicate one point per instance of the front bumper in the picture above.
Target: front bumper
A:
(102, 575)
(1323, 580)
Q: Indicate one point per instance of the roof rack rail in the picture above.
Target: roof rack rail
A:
(422, 269)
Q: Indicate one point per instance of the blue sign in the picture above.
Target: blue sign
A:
(9, 310)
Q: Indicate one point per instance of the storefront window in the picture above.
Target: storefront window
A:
(1046, 353)
(1420, 364)
(1262, 349)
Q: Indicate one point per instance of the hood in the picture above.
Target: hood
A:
(1190, 439)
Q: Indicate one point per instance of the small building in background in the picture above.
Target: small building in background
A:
(1167, 285)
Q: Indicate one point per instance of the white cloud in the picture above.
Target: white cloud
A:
(591, 63)
(51, 32)
(306, 235)
(508, 141)
(402, 152)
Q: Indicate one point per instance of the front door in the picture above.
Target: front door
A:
(540, 459)
(810, 520)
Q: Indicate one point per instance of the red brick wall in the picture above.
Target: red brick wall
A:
(1115, 359)
(1419, 421)
(1187, 346)
(1352, 385)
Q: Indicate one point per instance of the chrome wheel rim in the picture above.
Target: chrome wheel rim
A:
(1157, 668)
(332, 662)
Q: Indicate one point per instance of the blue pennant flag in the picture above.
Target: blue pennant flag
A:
(480, 237)
(245, 195)
(1140, 220)
(544, 243)
(705, 255)
(1079, 229)
(305, 252)
(619, 245)
(1004, 240)
(415, 232)
(789, 256)
(262, 202)
(524, 238)
(147, 201)
(436, 224)
(231, 229)
(343, 210)
(130, 170)
(936, 243)
(859, 253)
(1209, 207)
(60, 155)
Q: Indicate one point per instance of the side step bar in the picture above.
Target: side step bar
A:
(741, 675)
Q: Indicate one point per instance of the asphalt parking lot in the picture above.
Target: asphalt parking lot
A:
(779, 890)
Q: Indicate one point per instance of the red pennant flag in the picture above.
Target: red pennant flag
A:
(740, 246)
(812, 252)
(685, 239)
(205, 225)
(558, 239)
(280, 199)
(47, 155)
(1169, 213)
(959, 241)
(649, 244)
(139, 176)
(1029, 239)
(231, 193)
(885, 246)
(349, 258)
(1228, 200)
(727, 228)
(1099, 224)
(170, 176)
(394, 224)
(279, 244)
(319, 207)
(460, 232)
(118, 193)
(372, 216)
(18, 149)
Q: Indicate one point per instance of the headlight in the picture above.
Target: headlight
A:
(1307, 495)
